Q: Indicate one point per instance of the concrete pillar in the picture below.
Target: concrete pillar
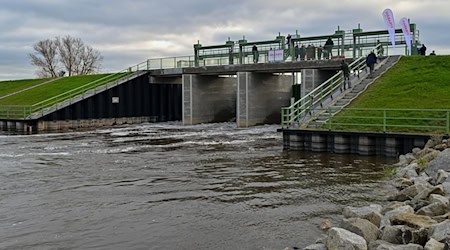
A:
(296, 142)
(260, 97)
(312, 78)
(20, 126)
(319, 143)
(366, 145)
(11, 125)
(341, 144)
(391, 147)
(2, 125)
(208, 99)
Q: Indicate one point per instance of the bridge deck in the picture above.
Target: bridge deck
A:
(273, 67)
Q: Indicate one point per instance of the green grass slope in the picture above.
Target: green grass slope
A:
(58, 87)
(7, 87)
(419, 83)
(416, 82)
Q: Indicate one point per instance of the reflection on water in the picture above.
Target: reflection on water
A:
(171, 186)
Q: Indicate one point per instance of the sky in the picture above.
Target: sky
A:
(129, 32)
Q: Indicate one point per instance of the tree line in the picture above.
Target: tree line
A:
(64, 55)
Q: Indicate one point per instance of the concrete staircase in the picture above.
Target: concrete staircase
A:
(346, 96)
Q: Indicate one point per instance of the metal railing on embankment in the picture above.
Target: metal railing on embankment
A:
(25, 111)
(417, 121)
(306, 105)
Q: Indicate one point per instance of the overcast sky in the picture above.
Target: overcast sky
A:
(129, 32)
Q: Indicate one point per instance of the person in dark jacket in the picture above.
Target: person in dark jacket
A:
(423, 50)
(302, 52)
(346, 72)
(370, 61)
(288, 40)
(328, 48)
(255, 54)
(319, 52)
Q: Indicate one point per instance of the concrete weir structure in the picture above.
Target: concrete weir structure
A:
(208, 99)
(251, 94)
(260, 96)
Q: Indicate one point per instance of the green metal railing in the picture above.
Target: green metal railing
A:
(425, 121)
(26, 111)
(306, 104)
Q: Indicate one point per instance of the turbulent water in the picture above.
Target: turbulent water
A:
(168, 186)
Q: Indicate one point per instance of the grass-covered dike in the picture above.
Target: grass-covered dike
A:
(411, 97)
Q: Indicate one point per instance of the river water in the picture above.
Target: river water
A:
(169, 186)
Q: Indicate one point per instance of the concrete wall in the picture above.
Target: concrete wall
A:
(208, 99)
(261, 96)
(165, 80)
(311, 78)
(380, 144)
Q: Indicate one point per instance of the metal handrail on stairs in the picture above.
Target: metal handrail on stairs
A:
(305, 105)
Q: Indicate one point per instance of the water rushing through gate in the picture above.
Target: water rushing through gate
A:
(168, 186)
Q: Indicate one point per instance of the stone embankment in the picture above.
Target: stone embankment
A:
(416, 216)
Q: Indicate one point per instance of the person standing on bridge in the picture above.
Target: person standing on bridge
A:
(319, 52)
(288, 40)
(346, 73)
(302, 52)
(328, 47)
(255, 54)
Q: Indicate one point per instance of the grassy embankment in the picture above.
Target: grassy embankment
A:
(7, 87)
(58, 87)
(417, 82)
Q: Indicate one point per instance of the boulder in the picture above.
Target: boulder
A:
(426, 192)
(430, 143)
(361, 227)
(440, 231)
(415, 151)
(433, 244)
(387, 218)
(339, 239)
(441, 146)
(423, 178)
(418, 236)
(441, 177)
(423, 152)
(434, 209)
(442, 161)
(431, 156)
(399, 247)
(404, 160)
(408, 172)
(392, 234)
(316, 247)
(439, 198)
(412, 220)
(418, 204)
(371, 213)
(409, 192)
(442, 218)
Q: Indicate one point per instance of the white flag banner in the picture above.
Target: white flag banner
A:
(404, 23)
(389, 21)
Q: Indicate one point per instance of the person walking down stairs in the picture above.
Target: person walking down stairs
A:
(370, 61)
(346, 73)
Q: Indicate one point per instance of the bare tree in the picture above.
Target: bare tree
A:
(89, 59)
(45, 58)
(67, 53)
(70, 50)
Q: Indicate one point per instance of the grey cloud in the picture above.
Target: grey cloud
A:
(106, 24)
